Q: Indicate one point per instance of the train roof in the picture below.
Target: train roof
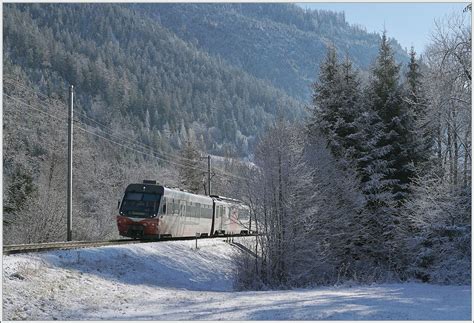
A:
(145, 187)
(223, 198)
(154, 187)
(228, 199)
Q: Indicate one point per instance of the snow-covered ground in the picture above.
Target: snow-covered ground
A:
(174, 281)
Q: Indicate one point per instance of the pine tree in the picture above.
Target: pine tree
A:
(350, 109)
(417, 105)
(395, 141)
(337, 102)
(383, 143)
(327, 100)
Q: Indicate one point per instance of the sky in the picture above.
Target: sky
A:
(410, 24)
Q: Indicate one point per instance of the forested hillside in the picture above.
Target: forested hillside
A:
(281, 43)
(140, 93)
(126, 66)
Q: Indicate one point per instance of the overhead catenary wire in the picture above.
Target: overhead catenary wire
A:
(8, 79)
(152, 154)
(31, 114)
(138, 151)
(97, 135)
(36, 109)
(112, 132)
(60, 104)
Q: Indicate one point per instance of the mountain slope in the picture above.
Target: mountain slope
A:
(129, 66)
(281, 43)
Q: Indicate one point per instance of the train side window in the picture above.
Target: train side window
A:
(209, 212)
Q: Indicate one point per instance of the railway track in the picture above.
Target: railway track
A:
(48, 246)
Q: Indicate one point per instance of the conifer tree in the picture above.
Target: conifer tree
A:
(417, 103)
(336, 102)
(394, 143)
(350, 109)
(327, 100)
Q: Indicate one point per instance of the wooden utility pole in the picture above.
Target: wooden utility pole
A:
(209, 173)
(69, 164)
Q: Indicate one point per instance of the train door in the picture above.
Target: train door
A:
(182, 212)
(173, 223)
(218, 227)
(222, 215)
(234, 219)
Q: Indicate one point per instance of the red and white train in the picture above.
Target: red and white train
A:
(150, 211)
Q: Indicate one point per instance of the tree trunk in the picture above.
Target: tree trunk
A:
(456, 149)
(439, 140)
(450, 154)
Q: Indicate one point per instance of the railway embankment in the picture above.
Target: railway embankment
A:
(68, 284)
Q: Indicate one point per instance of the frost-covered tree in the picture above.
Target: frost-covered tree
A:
(276, 159)
(439, 243)
(384, 96)
(351, 108)
(337, 102)
(191, 173)
(327, 99)
(417, 106)
(439, 209)
(310, 211)
(448, 88)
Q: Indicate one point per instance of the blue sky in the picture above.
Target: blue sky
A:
(409, 23)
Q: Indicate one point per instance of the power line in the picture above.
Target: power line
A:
(136, 150)
(121, 137)
(31, 114)
(32, 107)
(223, 173)
(90, 132)
(8, 79)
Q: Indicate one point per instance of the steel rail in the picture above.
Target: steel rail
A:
(48, 246)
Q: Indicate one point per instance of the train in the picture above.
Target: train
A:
(149, 210)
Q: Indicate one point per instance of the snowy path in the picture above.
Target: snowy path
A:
(172, 281)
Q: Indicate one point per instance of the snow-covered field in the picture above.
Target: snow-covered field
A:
(174, 281)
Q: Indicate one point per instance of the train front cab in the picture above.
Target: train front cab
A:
(150, 211)
(139, 210)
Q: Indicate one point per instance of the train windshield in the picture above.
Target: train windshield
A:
(140, 205)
